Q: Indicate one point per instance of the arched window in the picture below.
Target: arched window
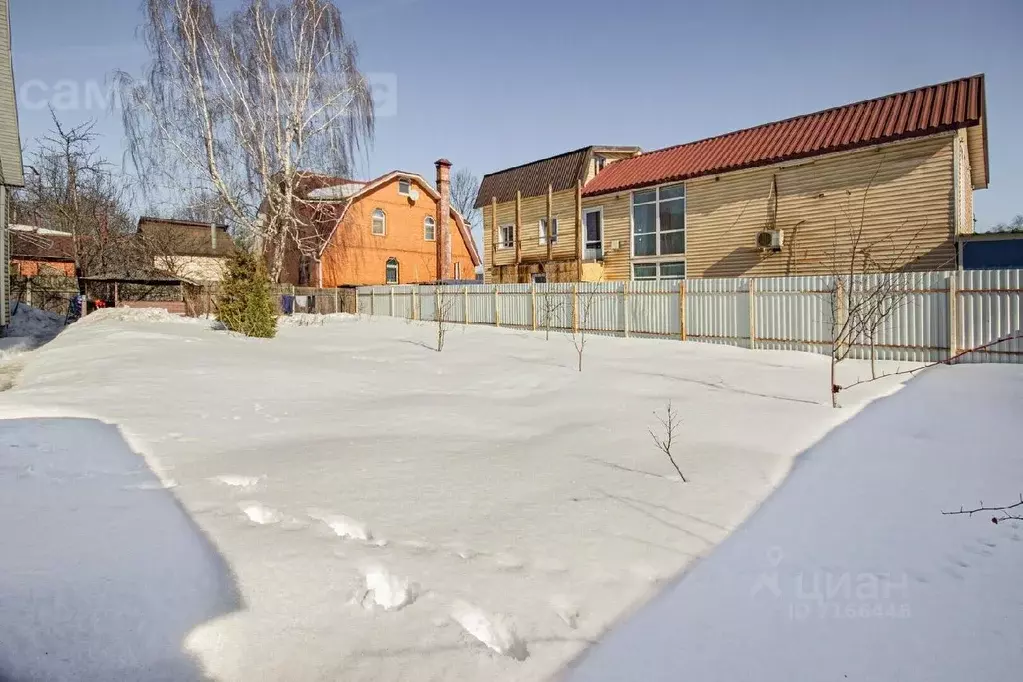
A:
(379, 222)
(429, 229)
(392, 271)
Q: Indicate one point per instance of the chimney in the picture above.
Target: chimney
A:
(213, 236)
(444, 219)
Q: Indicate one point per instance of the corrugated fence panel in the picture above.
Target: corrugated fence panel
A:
(717, 311)
(908, 315)
(990, 307)
(514, 305)
(653, 309)
(794, 313)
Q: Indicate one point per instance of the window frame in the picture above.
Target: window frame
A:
(408, 182)
(656, 203)
(373, 222)
(584, 241)
(501, 244)
(657, 265)
(433, 224)
(392, 261)
(542, 230)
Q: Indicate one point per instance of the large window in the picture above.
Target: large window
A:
(659, 221)
(404, 186)
(593, 247)
(507, 237)
(543, 231)
(379, 222)
(659, 271)
(429, 229)
(392, 270)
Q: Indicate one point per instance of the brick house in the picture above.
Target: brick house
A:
(38, 251)
(394, 229)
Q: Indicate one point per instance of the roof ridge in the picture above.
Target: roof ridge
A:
(802, 116)
(546, 158)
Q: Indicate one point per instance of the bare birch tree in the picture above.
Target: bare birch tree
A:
(443, 306)
(464, 188)
(242, 105)
(580, 327)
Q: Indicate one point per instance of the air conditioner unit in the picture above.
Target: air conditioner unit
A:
(413, 195)
(770, 240)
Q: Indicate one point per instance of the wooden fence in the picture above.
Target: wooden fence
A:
(938, 315)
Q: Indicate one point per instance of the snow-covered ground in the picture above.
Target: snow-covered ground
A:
(29, 328)
(385, 512)
(850, 571)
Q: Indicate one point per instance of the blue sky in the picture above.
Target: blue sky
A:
(489, 85)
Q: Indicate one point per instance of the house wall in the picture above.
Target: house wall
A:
(964, 184)
(34, 268)
(356, 256)
(533, 209)
(195, 268)
(904, 192)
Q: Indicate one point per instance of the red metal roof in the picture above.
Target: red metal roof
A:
(923, 111)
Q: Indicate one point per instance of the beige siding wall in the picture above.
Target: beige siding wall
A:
(533, 208)
(195, 268)
(903, 192)
(964, 184)
(617, 227)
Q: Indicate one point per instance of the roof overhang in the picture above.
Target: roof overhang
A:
(12, 171)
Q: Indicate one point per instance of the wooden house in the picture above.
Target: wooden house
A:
(885, 183)
(394, 229)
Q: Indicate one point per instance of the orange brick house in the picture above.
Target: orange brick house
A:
(395, 229)
(39, 251)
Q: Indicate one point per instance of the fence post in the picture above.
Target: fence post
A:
(415, 311)
(532, 302)
(953, 314)
(391, 311)
(372, 302)
(337, 301)
(465, 300)
(497, 308)
(682, 331)
(575, 308)
(752, 300)
(625, 309)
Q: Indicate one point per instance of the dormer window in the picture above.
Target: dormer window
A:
(598, 163)
(404, 186)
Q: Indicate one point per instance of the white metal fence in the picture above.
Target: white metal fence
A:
(937, 314)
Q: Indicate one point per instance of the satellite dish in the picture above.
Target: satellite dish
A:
(413, 195)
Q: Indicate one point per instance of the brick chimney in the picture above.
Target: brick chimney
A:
(444, 219)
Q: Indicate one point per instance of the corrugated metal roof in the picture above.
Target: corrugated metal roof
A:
(532, 179)
(923, 111)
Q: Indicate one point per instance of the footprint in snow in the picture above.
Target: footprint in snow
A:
(387, 591)
(346, 527)
(495, 632)
(566, 609)
(260, 514)
(237, 481)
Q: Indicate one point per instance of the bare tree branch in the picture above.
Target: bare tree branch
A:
(670, 423)
(1007, 514)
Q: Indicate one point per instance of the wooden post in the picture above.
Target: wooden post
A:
(337, 300)
(497, 307)
(550, 223)
(372, 302)
(465, 301)
(496, 241)
(117, 293)
(575, 308)
(579, 229)
(953, 316)
(392, 302)
(415, 310)
(682, 332)
(625, 308)
(518, 232)
(752, 296)
(532, 302)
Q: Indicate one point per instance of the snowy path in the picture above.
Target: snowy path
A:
(850, 571)
(393, 513)
(102, 574)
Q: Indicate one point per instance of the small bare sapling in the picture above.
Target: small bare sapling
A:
(670, 423)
